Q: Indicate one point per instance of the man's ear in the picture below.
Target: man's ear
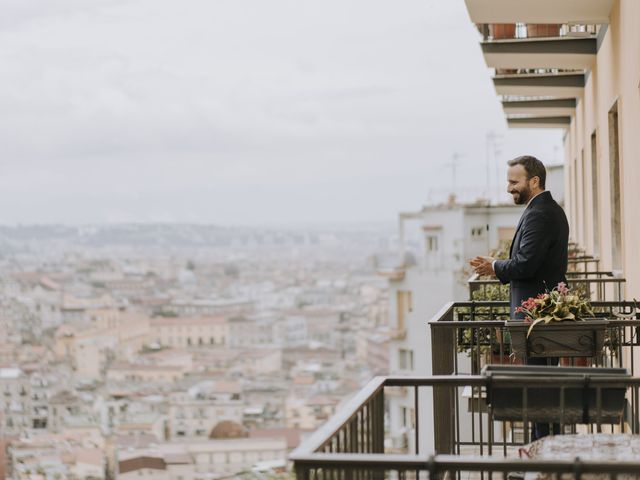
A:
(535, 180)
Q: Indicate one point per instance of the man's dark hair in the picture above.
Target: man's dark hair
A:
(533, 167)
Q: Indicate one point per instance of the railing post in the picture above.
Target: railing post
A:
(378, 444)
(302, 473)
(442, 353)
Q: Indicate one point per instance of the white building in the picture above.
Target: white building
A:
(210, 330)
(15, 401)
(204, 460)
(433, 264)
(193, 414)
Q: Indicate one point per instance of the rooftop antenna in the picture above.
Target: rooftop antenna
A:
(453, 164)
(491, 140)
(496, 153)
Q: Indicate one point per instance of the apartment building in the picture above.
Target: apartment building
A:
(194, 413)
(197, 460)
(587, 85)
(15, 401)
(212, 331)
(431, 269)
(69, 455)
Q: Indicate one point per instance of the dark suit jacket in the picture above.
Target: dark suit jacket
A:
(538, 258)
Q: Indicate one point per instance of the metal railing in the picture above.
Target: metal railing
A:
(583, 263)
(596, 285)
(439, 467)
(521, 31)
(465, 336)
(351, 445)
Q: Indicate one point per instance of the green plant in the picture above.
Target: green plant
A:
(486, 339)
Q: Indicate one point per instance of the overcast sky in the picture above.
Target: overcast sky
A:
(243, 112)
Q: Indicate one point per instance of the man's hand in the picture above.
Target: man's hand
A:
(483, 265)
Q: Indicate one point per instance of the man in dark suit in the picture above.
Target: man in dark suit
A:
(538, 258)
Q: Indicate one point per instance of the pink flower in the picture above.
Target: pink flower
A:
(529, 303)
(562, 288)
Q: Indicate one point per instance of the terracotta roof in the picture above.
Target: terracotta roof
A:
(304, 380)
(138, 463)
(49, 284)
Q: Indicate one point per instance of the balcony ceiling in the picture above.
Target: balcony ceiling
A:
(539, 11)
(539, 122)
(560, 85)
(565, 53)
(544, 108)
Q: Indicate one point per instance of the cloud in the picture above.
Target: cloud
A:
(256, 107)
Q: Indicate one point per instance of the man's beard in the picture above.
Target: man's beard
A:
(522, 197)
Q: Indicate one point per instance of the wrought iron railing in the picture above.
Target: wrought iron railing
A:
(465, 336)
(583, 263)
(437, 467)
(351, 445)
(596, 285)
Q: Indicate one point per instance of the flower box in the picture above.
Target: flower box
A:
(544, 404)
(557, 339)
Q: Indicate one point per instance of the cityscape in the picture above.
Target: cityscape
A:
(210, 351)
(338, 240)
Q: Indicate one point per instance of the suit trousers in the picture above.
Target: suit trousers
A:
(541, 430)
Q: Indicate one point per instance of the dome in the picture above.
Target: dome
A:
(228, 429)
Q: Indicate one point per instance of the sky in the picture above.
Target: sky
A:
(246, 112)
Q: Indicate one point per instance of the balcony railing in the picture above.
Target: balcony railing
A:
(598, 286)
(583, 263)
(505, 31)
(465, 336)
(352, 444)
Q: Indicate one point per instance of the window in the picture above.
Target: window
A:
(431, 243)
(574, 199)
(614, 179)
(407, 417)
(478, 232)
(594, 194)
(405, 359)
(583, 198)
(404, 305)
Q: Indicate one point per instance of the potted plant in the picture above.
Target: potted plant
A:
(558, 323)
